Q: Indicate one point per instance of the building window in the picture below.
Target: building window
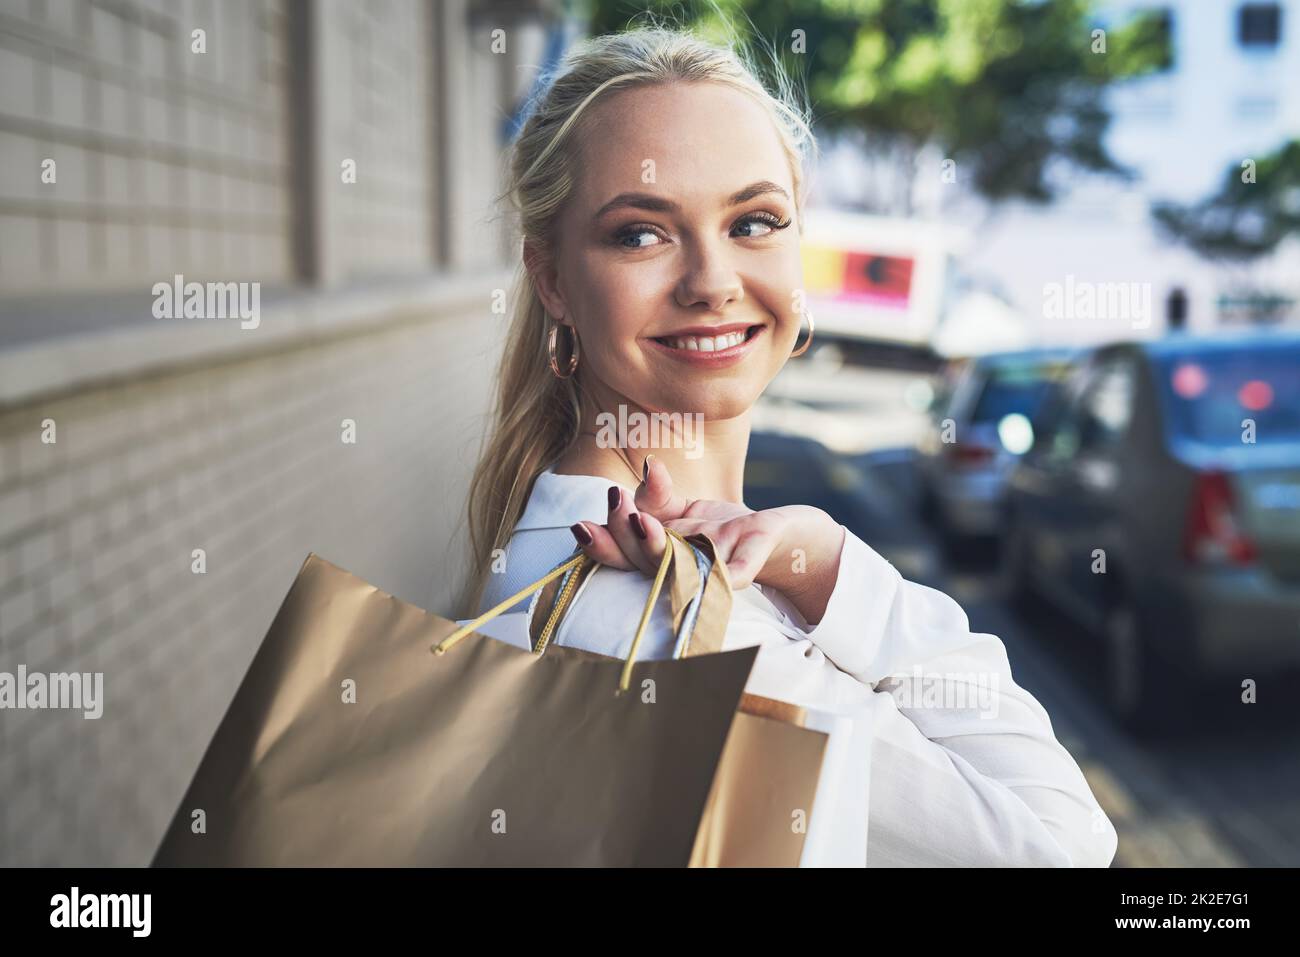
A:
(1259, 24)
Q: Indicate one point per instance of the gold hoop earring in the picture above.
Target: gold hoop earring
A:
(804, 348)
(573, 352)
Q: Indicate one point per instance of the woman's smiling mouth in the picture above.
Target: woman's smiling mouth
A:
(708, 346)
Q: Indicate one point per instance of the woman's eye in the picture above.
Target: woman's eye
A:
(631, 239)
(755, 225)
(764, 222)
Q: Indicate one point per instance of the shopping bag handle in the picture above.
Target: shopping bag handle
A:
(701, 599)
(578, 564)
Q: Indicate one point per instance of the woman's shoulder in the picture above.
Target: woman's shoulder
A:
(528, 556)
(606, 610)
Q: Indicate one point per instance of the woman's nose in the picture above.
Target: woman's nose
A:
(710, 279)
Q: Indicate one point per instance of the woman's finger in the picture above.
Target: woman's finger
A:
(597, 543)
(655, 494)
(691, 526)
(652, 536)
(747, 558)
(624, 530)
(724, 536)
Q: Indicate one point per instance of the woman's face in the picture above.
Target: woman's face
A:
(678, 251)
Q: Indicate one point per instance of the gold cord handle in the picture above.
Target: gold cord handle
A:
(577, 563)
(443, 646)
(667, 559)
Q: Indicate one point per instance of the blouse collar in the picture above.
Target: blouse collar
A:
(558, 501)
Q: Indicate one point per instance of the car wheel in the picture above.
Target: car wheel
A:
(1142, 690)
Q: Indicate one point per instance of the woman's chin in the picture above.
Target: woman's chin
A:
(716, 402)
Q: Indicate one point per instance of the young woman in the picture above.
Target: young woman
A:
(656, 182)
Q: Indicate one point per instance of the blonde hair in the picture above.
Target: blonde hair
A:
(536, 415)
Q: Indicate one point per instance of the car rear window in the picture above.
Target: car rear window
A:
(1017, 389)
(1210, 395)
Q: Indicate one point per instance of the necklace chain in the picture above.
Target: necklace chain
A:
(623, 457)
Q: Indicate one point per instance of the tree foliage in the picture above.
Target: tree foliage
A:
(1012, 90)
(1257, 207)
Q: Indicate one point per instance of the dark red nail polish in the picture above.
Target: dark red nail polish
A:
(581, 534)
(615, 497)
(637, 527)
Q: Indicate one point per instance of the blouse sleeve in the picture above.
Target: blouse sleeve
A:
(966, 770)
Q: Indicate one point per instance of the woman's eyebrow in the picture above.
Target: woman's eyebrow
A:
(657, 204)
(760, 188)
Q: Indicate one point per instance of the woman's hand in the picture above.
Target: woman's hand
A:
(795, 548)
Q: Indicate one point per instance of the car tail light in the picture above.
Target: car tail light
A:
(1213, 534)
(969, 455)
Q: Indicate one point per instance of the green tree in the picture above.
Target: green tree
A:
(1256, 208)
(1011, 90)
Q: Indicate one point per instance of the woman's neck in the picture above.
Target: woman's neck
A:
(705, 459)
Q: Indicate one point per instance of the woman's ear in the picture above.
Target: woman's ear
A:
(545, 277)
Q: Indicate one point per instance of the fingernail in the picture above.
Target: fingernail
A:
(645, 468)
(637, 527)
(581, 534)
(615, 496)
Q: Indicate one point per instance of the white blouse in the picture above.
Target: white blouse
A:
(964, 770)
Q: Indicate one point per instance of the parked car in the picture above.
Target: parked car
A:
(1160, 507)
(981, 424)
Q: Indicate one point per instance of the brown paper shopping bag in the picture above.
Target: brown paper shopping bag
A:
(348, 743)
(770, 763)
(757, 810)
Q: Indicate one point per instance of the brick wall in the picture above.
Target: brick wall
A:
(166, 160)
(245, 460)
(184, 434)
(377, 108)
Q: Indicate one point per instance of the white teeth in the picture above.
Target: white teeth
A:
(707, 343)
